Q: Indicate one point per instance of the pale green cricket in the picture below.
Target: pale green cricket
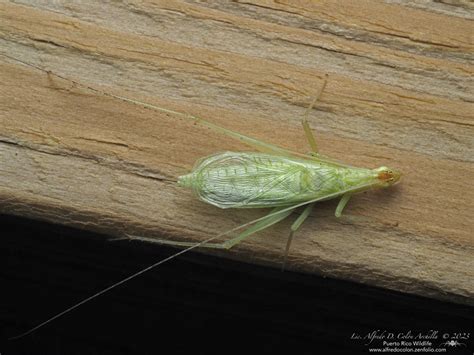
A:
(278, 178)
(272, 177)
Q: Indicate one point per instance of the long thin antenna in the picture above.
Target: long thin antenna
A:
(101, 92)
(95, 295)
(249, 140)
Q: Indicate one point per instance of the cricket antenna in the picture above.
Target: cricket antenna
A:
(95, 295)
(101, 92)
(162, 261)
(261, 146)
(107, 289)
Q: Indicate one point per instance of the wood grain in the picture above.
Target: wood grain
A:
(399, 94)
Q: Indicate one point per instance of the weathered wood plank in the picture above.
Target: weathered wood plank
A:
(399, 94)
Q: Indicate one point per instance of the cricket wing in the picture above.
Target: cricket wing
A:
(246, 180)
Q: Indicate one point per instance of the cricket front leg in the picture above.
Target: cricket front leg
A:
(342, 203)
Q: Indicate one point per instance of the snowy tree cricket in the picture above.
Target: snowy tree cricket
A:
(278, 178)
(273, 177)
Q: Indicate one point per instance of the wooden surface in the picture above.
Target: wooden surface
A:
(399, 94)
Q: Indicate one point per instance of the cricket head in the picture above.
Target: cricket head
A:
(387, 177)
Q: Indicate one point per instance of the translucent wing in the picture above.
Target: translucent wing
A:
(250, 180)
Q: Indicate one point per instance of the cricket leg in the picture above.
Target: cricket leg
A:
(342, 203)
(294, 227)
(304, 121)
(252, 142)
(274, 217)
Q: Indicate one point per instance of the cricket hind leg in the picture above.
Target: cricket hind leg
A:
(273, 217)
(294, 227)
(304, 120)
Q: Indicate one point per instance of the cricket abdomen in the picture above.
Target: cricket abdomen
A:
(251, 180)
(186, 180)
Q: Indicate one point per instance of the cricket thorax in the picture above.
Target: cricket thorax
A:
(353, 177)
(367, 179)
